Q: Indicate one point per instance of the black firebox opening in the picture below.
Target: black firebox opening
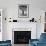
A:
(22, 37)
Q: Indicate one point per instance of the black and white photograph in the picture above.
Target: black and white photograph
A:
(23, 11)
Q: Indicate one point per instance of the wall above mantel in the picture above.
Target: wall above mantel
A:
(33, 13)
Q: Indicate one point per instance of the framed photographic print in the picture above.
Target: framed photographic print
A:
(23, 11)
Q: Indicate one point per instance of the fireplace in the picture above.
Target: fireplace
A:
(22, 37)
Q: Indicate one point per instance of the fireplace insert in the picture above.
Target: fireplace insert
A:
(22, 37)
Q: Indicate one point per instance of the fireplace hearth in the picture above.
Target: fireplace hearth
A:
(22, 37)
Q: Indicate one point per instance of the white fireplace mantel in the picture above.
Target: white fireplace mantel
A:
(27, 26)
(24, 25)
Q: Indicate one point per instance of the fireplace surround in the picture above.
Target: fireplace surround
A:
(21, 35)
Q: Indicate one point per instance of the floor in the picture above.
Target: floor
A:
(20, 45)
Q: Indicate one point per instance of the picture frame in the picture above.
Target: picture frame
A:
(23, 10)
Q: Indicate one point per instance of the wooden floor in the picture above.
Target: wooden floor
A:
(20, 45)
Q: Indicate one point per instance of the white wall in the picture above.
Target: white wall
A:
(34, 3)
(40, 26)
